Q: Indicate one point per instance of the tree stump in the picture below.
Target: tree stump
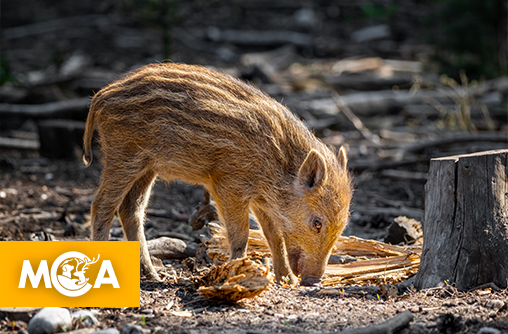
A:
(466, 221)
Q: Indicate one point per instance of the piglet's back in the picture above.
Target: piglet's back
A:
(191, 117)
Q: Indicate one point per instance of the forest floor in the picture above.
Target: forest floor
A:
(41, 198)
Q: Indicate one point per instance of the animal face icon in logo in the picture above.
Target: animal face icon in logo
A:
(68, 273)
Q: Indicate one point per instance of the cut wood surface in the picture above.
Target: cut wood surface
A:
(390, 269)
(359, 247)
(466, 214)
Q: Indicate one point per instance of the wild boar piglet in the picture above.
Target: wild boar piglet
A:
(205, 127)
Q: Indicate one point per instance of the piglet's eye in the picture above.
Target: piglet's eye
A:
(316, 223)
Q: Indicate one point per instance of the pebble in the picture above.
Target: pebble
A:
(87, 317)
(134, 329)
(371, 33)
(107, 331)
(50, 320)
(495, 304)
(305, 18)
(492, 99)
(489, 330)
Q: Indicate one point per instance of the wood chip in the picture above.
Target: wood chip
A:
(235, 280)
(184, 313)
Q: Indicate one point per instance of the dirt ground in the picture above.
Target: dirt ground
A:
(41, 198)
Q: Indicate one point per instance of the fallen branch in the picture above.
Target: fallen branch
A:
(46, 27)
(354, 119)
(249, 37)
(23, 144)
(377, 164)
(403, 211)
(47, 110)
(351, 290)
(404, 175)
(389, 326)
(367, 81)
(455, 138)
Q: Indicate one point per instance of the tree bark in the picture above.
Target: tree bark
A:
(466, 221)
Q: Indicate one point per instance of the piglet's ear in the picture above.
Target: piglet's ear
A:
(312, 173)
(342, 158)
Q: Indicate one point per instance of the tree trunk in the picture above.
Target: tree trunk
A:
(466, 221)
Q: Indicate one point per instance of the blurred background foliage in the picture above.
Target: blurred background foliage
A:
(162, 15)
(470, 35)
(467, 35)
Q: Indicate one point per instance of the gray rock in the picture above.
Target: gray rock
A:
(371, 33)
(134, 329)
(87, 317)
(492, 99)
(305, 18)
(495, 304)
(107, 331)
(50, 320)
(227, 54)
(489, 330)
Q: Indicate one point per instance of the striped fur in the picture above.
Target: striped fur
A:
(201, 126)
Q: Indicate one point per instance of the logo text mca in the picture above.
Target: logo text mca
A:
(68, 274)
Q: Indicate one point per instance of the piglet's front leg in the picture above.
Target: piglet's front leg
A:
(277, 248)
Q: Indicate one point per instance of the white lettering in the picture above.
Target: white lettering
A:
(35, 279)
(106, 267)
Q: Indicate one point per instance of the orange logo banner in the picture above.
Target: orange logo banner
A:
(70, 273)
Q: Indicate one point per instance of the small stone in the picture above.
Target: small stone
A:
(134, 329)
(495, 304)
(492, 99)
(86, 317)
(305, 18)
(489, 330)
(371, 33)
(107, 331)
(50, 320)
